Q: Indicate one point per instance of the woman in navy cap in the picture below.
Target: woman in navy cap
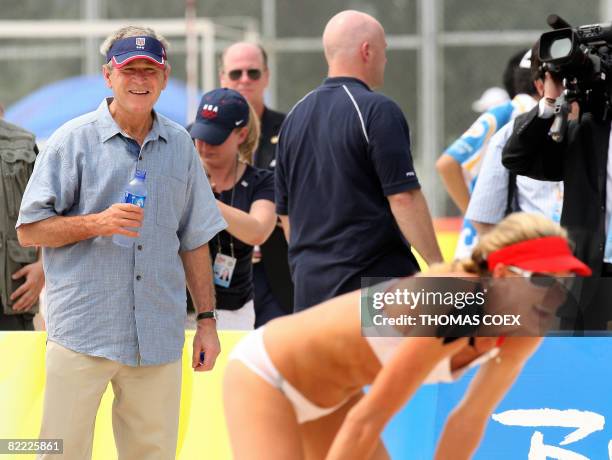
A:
(226, 133)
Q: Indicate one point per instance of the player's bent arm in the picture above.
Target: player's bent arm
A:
(451, 173)
(396, 382)
(466, 423)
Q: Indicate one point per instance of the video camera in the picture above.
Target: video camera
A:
(582, 58)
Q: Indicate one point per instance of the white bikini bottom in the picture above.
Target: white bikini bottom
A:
(251, 351)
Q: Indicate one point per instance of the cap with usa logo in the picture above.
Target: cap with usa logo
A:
(128, 49)
(220, 112)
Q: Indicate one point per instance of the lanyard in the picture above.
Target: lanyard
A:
(231, 206)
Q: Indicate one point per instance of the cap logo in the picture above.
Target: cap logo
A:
(209, 111)
(127, 49)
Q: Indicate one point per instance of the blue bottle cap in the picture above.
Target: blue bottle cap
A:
(140, 174)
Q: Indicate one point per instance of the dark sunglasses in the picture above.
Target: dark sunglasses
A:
(253, 74)
(543, 279)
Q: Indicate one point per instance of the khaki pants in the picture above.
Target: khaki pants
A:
(145, 408)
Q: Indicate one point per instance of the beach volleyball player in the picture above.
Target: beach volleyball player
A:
(293, 389)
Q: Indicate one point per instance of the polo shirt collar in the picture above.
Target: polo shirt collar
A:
(108, 127)
(339, 81)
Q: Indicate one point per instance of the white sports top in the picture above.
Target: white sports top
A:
(385, 347)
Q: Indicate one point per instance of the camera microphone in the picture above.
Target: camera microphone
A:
(557, 22)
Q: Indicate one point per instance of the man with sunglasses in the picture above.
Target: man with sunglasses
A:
(243, 67)
(346, 189)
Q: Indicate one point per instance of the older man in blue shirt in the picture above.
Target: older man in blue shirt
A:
(117, 314)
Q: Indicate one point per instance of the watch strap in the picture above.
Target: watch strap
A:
(210, 314)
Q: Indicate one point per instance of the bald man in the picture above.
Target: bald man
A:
(244, 68)
(346, 189)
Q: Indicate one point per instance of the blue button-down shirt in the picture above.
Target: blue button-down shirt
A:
(124, 304)
(489, 198)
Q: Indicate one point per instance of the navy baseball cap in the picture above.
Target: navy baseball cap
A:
(128, 49)
(220, 112)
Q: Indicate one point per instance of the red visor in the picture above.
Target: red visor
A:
(548, 254)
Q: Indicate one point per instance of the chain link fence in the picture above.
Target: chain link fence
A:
(467, 52)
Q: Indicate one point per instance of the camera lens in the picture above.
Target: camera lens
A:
(560, 48)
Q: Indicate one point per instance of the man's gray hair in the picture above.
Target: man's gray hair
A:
(130, 31)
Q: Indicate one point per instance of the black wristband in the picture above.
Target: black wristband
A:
(211, 314)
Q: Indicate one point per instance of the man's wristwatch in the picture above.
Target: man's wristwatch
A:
(211, 314)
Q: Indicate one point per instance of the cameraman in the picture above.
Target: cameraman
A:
(584, 165)
(498, 192)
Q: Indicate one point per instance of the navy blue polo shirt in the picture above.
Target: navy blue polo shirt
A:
(342, 150)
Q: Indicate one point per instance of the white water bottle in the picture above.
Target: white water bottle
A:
(135, 193)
